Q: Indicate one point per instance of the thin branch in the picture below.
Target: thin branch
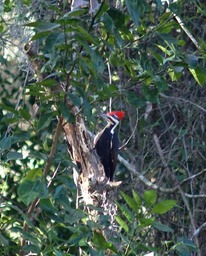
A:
(130, 137)
(188, 33)
(197, 231)
(54, 146)
(142, 178)
(149, 184)
(183, 100)
(193, 176)
(195, 196)
(110, 81)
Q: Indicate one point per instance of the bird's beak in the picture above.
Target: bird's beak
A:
(105, 117)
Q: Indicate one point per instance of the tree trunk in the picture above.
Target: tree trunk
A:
(91, 178)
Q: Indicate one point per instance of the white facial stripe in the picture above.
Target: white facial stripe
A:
(115, 120)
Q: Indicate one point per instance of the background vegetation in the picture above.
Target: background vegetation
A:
(146, 58)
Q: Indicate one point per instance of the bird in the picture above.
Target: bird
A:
(107, 144)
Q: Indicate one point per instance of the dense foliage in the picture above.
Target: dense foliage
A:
(144, 57)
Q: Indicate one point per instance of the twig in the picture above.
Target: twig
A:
(141, 177)
(182, 25)
(110, 81)
(197, 231)
(183, 100)
(130, 137)
(149, 184)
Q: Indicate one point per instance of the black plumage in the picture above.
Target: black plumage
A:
(107, 145)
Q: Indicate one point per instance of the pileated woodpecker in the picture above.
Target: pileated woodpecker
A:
(107, 144)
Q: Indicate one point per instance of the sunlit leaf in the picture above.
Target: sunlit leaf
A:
(122, 223)
(100, 242)
(163, 206)
(32, 175)
(199, 75)
(126, 212)
(150, 197)
(165, 50)
(130, 201)
(137, 198)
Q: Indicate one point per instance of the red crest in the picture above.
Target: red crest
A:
(119, 114)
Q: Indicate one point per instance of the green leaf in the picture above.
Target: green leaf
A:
(5, 144)
(47, 82)
(134, 99)
(131, 202)
(74, 216)
(43, 26)
(32, 187)
(58, 253)
(146, 222)
(14, 156)
(137, 198)
(98, 62)
(122, 223)
(53, 40)
(175, 73)
(40, 35)
(150, 197)
(162, 48)
(133, 9)
(162, 227)
(87, 108)
(100, 242)
(47, 205)
(75, 99)
(33, 175)
(184, 246)
(74, 13)
(4, 240)
(1, 28)
(199, 75)
(75, 238)
(9, 108)
(86, 36)
(25, 114)
(118, 17)
(8, 205)
(45, 120)
(192, 60)
(66, 113)
(163, 206)
(28, 191)
(126, 212)
(26, 2)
